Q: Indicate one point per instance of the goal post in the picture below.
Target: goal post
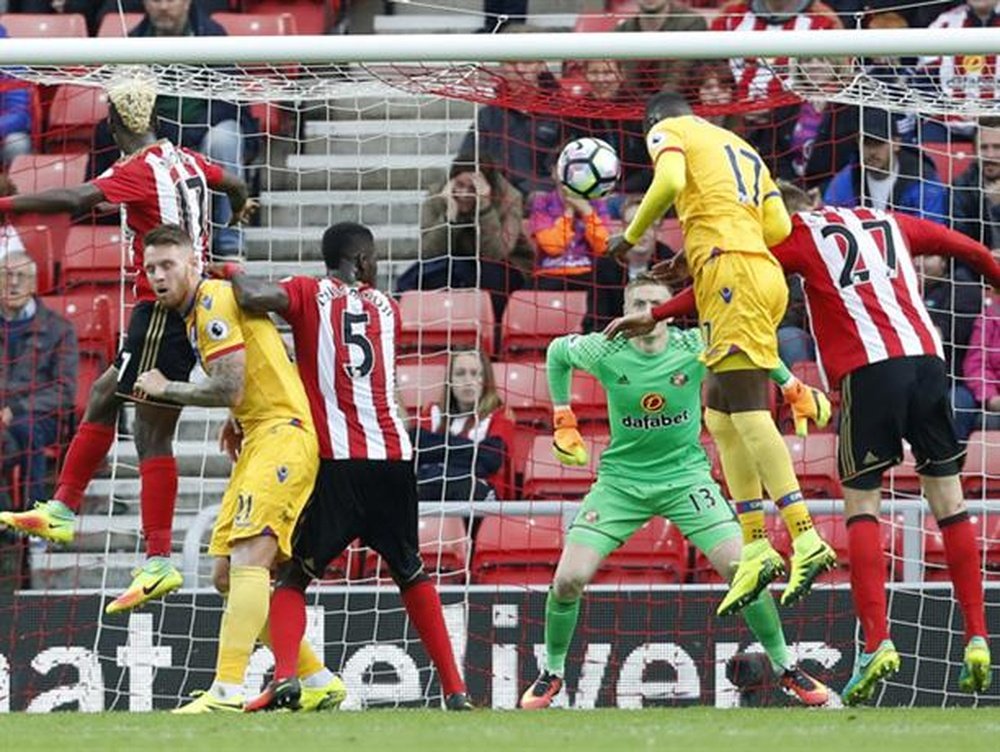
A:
(379, 130)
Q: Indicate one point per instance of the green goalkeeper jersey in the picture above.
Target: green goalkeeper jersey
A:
(654, 401)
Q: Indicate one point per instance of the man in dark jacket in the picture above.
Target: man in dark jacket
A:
(894, 178)
(215, 128)
(977, 190)
(38, 363)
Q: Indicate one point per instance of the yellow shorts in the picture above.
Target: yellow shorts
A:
(741, 300)
(270, 484)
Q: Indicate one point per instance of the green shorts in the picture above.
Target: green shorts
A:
(615, 508)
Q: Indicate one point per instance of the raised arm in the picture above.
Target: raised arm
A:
(74, 200)
(222, 388)
(259, 295)
(669, 180)
(929, 238)
(239, 197)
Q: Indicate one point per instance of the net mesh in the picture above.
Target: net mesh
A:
(395, 146)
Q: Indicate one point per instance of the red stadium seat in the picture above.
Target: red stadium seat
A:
(814, 459)
(112, 24)
(44, 25)
(987, 529)
(256, 24)
(656, 553)
(347, 566)
(950, 159)
(311, 16)
(40, 172)
(981, 474)
(533, 318)
(524, 389)
(435, 321)
(592, 22)
(546, 477)
(73, 114)
(419, 383)
(444, 548)
(93, 255)
(517, 550)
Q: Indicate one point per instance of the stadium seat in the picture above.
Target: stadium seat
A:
(525, 390)
(112, 24)
(950, 159)
(547, 478)
(517, 550)
(94, 255)
(444, 548)
(419, 383)
(40, 172)
(435, 321)
(987, 528)
(587, 22)
(73, 114)
(44, 25)
(347, 566)
(981, 474)
(657, 553)
(814, 459)
(311, 16)
(533, 318)
(808, 372)
(256, 24)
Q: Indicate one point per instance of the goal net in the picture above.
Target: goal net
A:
(445, 146)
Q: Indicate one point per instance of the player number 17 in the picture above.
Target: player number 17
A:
(742, 161)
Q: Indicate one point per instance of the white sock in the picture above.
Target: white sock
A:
(318, 680)
(223, 691)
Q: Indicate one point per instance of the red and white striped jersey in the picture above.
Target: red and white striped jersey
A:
(755, 81)
(964, 76)
(345, 346)
(161, 184)
(861, 288)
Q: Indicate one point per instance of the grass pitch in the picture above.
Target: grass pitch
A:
(683, 730)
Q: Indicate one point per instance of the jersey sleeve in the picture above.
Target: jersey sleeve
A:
(664, 137)
(581, 351)
(924, 237)
(125, 182)
(219, 331)
(213, 172)
(294, 288)
(777, 223)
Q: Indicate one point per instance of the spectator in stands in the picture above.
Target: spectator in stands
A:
(715, 94)
(976, 192)
(607, 97)
(521, 142)
(472, 234)
(15, 117)
(963, 76)
(38, 363)
(213, 127)
(982, 363)
(10, 239)
(647, 77)
(889, 175)
(755, 82)
(464, 441)
(570, 233)
(954, 299)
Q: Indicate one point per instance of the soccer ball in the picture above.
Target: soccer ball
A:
(588, 167)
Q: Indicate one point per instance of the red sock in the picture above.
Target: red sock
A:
(962, 554)
(288, 627)
(867, 562)
(86, 451)
(424, 609)
(157, 497)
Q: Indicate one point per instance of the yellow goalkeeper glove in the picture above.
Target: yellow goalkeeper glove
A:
(567, 444)
(807, 403)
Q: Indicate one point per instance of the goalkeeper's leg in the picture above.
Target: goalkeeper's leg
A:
(761, 616)
(576, 568)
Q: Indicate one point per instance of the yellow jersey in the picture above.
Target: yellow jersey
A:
(272, 389)
(721, 206)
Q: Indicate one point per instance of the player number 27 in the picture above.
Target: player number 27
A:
(743, 162)
(850, 275)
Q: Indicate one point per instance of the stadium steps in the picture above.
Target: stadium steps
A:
(194, 458)
(438, 137)
(374, 100)
(125, 531)
(398, 242)
(193, 493)
(322, 208)
(60, 570)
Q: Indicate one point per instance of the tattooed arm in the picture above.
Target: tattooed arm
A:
(223, 388)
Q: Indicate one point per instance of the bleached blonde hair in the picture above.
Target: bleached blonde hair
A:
(133, 95)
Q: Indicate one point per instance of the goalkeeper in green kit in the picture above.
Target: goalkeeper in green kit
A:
(654, 466)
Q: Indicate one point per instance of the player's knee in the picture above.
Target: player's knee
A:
(154, 433)
(102, 402)
(568, 586)
(220, 576)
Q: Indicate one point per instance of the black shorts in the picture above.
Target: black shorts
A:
(374, 500)
(157, 338)
(886, 402)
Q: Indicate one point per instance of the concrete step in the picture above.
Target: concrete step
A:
(367, 128)
(378, 101)
(193, 492)
(387, 270)
(299, 208)
(113, 571)
(434, 136)
(194, 458)
(313, 172)
(395, 242)
(97, 533)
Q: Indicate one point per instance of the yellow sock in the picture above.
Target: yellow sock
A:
(764, 443)
(308, 663)
(741, 474)
(243, 619)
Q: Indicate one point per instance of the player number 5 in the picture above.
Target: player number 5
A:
(354, 334)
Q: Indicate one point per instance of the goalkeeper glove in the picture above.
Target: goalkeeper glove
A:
(567, 444)
(807, 403)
